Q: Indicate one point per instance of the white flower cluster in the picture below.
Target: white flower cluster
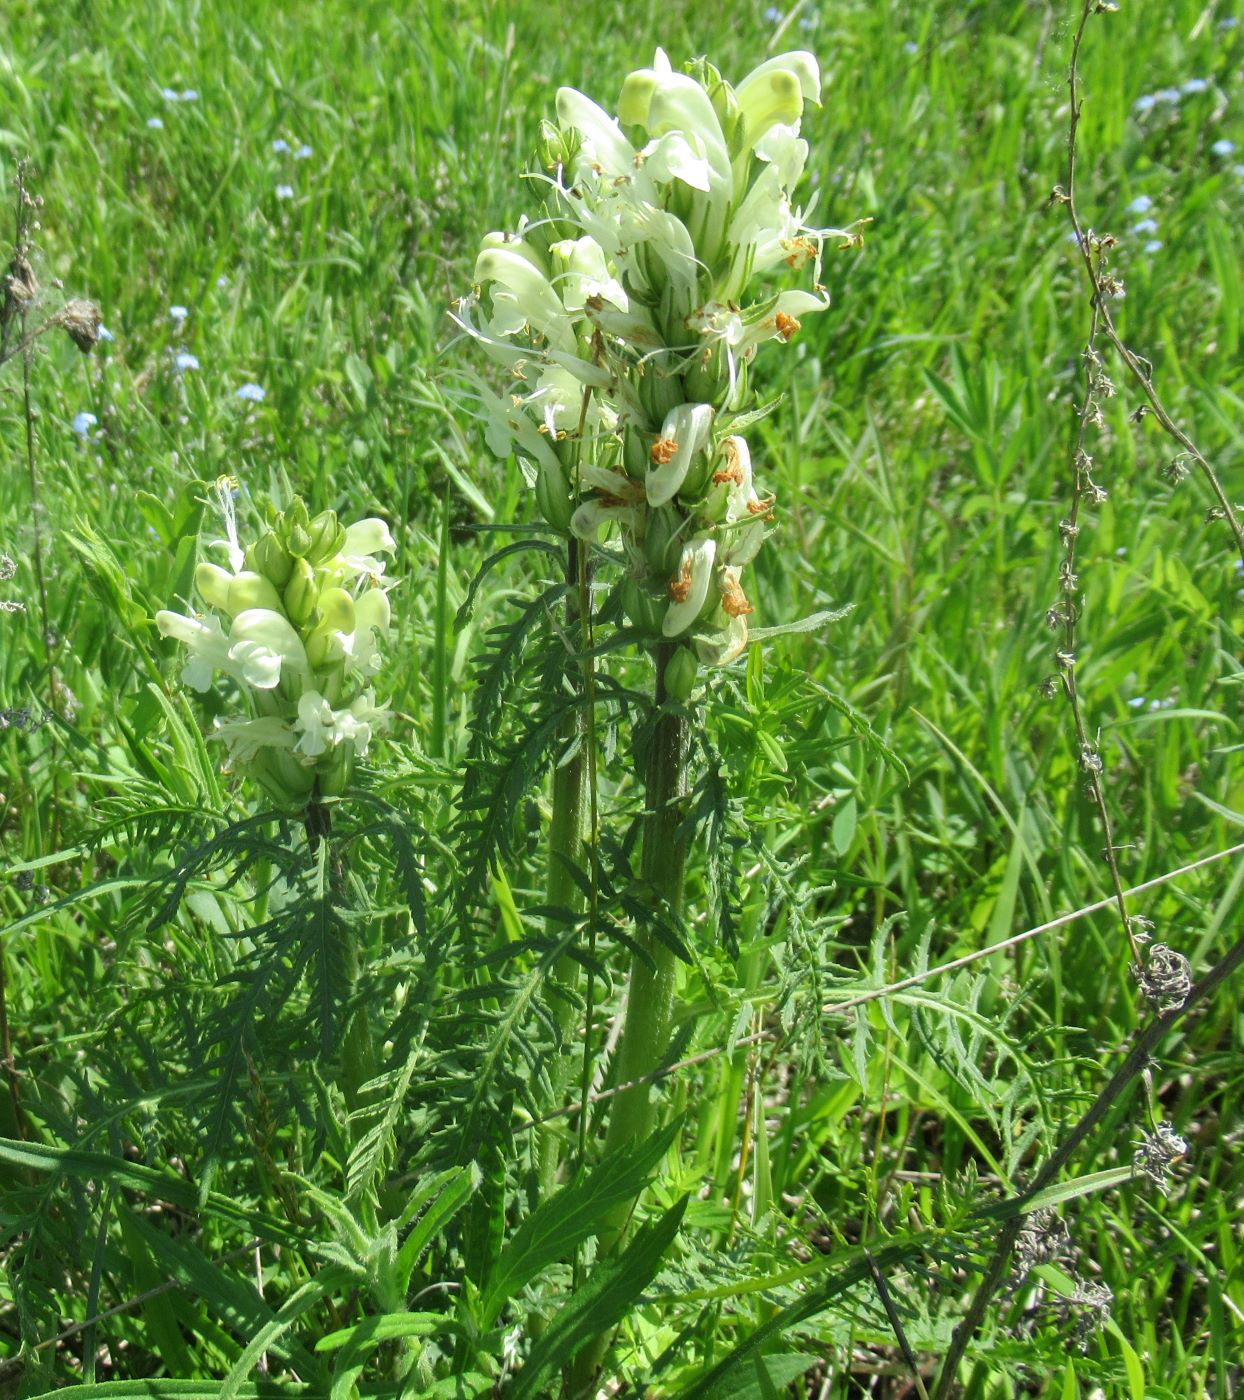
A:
(622, 320)
(305, 606)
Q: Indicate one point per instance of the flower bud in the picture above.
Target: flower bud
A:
(643, 609)
(663, 541)
(335, 770)
(553, 496)
(269, 557)
(249, 590)
(327, 537)
(296, 526)
(635, 454)
(213, 585)
(680, 674)
(301, 593)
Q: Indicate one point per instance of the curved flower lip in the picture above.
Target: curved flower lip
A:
(263, 643)
(694, 576)
(723, 647)
(664, 101)
(798, 62)
(603, 141)
(245, 737)
(688, 426)
(620, 500)
(774, 99)
(522, 295)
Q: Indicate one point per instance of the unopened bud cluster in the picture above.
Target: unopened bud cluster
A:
(294, 621)
(622, 321)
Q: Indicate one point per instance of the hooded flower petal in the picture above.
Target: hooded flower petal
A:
(261, 643)
(686, 429)
(689, 587)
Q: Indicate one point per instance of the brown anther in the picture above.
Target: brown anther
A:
(680, 587)
(786, 326)
(733, 600)
(663, 451)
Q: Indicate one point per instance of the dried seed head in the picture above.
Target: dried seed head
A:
(1157, 1153)
(1166, 979)
(81, 320)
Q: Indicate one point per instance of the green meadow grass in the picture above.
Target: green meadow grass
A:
(920, 458)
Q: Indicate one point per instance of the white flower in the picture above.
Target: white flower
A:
(253, 653)
(364, 540)
(522, 295)
(245, 737)
(689, 587)
(323, 728)
(683, 434)
(581, 272)
(603, 143)
(620, 500)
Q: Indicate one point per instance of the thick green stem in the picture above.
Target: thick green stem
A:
(648, 1026)
(650, 991)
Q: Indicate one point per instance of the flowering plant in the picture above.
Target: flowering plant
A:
(622, 318)
(294, 621)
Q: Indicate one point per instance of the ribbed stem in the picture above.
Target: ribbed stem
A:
(649, 1021)
(650, 990)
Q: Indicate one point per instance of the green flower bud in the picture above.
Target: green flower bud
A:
(327, 537)
(213, 585)
(553, 496)
(269, 557)
(644, 609)
(680, 674)
(285, 778)
(297, 541)
(301, 593)
(248, 590)
(663, 541)
(635, 453)
(336, 769)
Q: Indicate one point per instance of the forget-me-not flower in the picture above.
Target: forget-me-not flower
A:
(280, 146)
(104, 334)
(1154, 245)
(1146, 226)
(190, 95)
(177, 314)
(252, 393)
(1140, 205)
(1194, 85)
(155, 123)
(304, 152)
(83, 423)
(1223, 147)
(185, 360)
(285, 191)
(170, 94)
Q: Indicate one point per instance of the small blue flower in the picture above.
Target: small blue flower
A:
(1154, 245)
(222, 281)
(83, 423)
(1194, 85)
(773, 15)
(1171, 94)
(1223, 148)
(1229, 23)
(177, 314)
(1238, 171)
(1073, 238)
(170, 94)
(155, 123)
(911, 46)
(1144, 105)
(190, 95)
(285, 191)
(1140, 205)
(1146, 226)
(185, 360)
(304, 152)
(808, 23)
(280, 146)
(105, 334)
(252, 393)
(1137, 702)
